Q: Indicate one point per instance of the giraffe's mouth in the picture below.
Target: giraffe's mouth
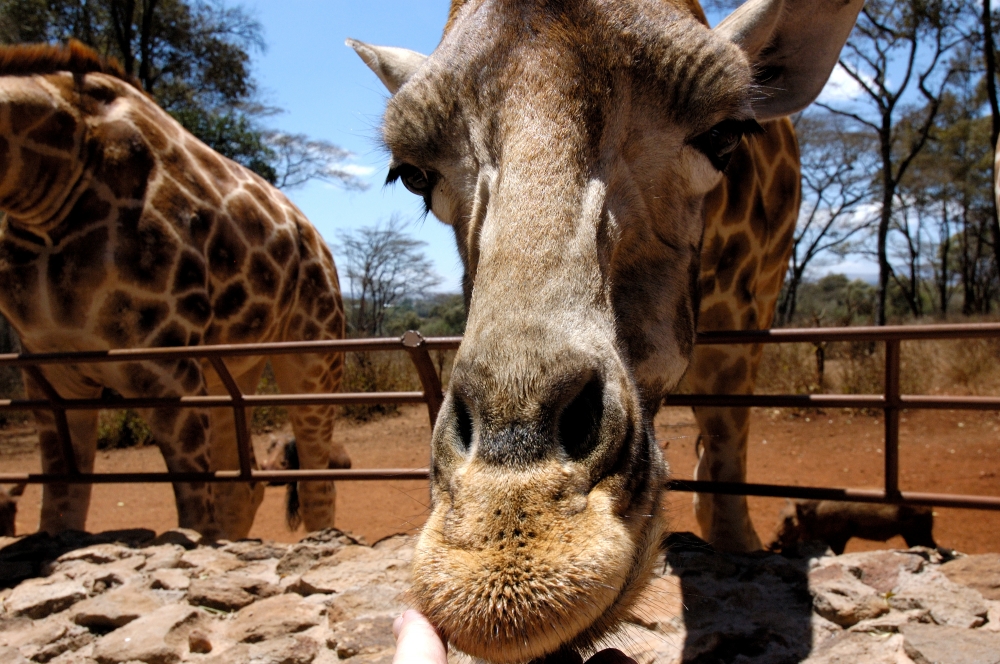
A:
(514, 566)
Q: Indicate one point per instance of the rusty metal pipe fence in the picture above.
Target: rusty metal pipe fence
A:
(891, 402)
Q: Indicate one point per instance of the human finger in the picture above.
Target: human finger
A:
(417, 642)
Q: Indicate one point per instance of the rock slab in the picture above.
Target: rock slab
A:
(112, 599)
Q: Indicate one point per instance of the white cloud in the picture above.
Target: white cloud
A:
(358, 170)
(840, 88)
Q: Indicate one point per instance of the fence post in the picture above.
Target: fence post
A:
(892, 403)
(416, 346)
(243, 442)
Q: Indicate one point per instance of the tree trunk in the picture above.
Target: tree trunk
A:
(945, 252)
(888, 189)
(122, 15)
(989, 53)
(146, 44)
(787, 308)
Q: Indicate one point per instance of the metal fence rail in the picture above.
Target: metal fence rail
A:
(418, 347)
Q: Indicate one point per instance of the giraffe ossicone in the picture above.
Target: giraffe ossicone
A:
(617, 176)
(122, 230)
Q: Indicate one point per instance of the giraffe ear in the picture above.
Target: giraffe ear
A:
(793, 46)
(394, 66)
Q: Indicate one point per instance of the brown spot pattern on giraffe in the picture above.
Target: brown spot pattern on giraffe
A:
(195, 308)
(22, 118)
(172, 335)
(80, 265)
(164, 419)
(281, 247)
(192, 434)
(740, 184)
(253, 324)
(730, 379)
(141, 380)
(58, 131)
(735, 250)
(20, 276)
(44, 172)
(150, 130)
(89, 210)
(171, 202)
(126, 319)
(146, 250)
(230, 301)
(211, 163)
(124, 161)
(266, 202)
(182, 168)
(716, 317)
(263, 276)
(247, 215)
(759, 221)
(200, 226)
(189, 273)
(226, 251)
(783, 197)
(745, 283)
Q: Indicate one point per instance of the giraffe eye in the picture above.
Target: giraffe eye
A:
(720, 142)
(416, 180)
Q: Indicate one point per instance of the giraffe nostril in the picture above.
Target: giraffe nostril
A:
(580, 421)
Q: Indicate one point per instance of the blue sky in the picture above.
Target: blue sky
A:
(327, 92)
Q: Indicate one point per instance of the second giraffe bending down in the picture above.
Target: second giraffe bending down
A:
(122, 230)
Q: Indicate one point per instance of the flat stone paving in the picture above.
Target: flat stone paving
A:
(130, 596)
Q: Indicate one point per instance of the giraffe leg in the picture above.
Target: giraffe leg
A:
(64, 506)
(182, 434)
(236, 503)
(313, 427)
(722, 443)
(183, 437)
(722, 457)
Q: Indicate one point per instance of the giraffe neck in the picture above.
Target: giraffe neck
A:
(42, 161)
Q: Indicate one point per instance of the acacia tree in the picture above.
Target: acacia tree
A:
(898, 51)
(298, 159)
(384, 266)
(836, 165)
(194, 58)
(951, 183)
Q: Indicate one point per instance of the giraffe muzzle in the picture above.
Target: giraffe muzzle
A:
(546, 507)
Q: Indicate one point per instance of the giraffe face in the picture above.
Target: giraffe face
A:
(571, 146)
(572, 164)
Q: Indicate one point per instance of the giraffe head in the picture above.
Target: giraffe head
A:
(43, 134)
(570, 145)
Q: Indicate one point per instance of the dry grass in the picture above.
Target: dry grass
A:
(788, 369)
(377, 372)
(960, 367)
(268, 418)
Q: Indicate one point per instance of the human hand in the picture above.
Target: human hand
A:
(417, 642)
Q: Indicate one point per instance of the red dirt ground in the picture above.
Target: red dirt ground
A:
(944, 451)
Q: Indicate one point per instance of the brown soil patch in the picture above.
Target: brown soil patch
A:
(945, 451)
